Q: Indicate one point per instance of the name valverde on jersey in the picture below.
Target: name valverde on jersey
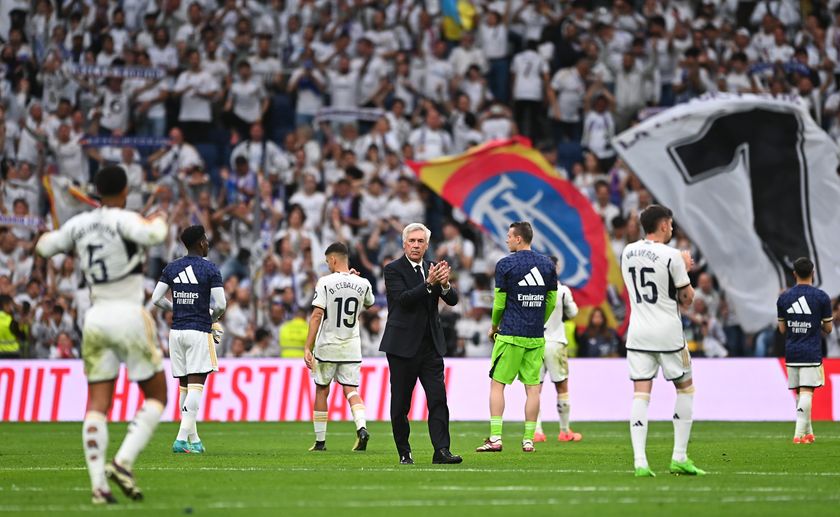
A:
(342, 296)
(653, 272)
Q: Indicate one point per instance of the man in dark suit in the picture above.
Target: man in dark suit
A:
(414, 343)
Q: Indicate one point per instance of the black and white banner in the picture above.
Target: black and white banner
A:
(753, 181)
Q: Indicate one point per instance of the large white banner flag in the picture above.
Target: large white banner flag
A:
(754, 182)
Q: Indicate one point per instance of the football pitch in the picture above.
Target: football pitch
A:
(265, 469)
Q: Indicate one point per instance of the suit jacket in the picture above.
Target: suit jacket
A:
(411, 308)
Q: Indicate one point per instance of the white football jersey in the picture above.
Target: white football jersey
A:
(566, 308)
(110, 249)
(342, 296)
(653, 272)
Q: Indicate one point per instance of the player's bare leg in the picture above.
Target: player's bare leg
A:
(497, 409)
(319, 417)
(639, 426)
(190, 390)
(683, 414)
(804, 432)
(140, 431)
(95, 439)
(532, 410)
(357, 408)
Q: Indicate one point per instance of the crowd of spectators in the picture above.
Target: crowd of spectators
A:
(285, 125)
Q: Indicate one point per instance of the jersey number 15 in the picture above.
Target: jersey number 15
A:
(653, 294)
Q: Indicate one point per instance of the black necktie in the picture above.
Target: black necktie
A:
(419, 270)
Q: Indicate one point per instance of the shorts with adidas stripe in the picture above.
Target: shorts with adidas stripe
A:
(191, 352)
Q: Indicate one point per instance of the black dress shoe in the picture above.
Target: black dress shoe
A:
(406, 459)
(443, 456)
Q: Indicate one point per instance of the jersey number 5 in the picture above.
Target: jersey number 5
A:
(96, 262)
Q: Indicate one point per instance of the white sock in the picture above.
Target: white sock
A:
(358, 411)
(319, 421)
(683, 413)
(539, 428)
(140, 431)
(803, 414)
(563, 410)
(95, 444)
(639, 428)
(810, 429)
(189, 413)
(182, 399)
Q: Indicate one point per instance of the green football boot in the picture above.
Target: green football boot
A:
(644, 472)
(685, 468)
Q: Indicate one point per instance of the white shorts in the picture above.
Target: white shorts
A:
(120, 332)
(192, 352)
(555, 361)
(644, 366)
(805, 376)
(346, 374)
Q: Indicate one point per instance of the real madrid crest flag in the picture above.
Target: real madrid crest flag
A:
(504, 181)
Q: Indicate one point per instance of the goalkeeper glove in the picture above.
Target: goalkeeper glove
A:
(217, 332)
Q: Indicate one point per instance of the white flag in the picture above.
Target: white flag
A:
(753, 181)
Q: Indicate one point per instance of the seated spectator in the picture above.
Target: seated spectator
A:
(598, 339)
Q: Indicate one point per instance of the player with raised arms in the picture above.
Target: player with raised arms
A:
(333, 349)
(656, 278)
(526, 293)
(804, 312)
(195, 282)
(109, 242)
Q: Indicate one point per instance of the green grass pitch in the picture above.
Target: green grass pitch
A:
(264, 469)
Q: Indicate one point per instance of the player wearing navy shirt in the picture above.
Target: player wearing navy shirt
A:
(194, 281)
(526, 293)
(804, 314)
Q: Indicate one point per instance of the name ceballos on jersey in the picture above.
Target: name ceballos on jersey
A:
(347, 285)
(185, 297)
(530, 300)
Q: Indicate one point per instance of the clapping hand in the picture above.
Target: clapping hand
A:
(439, 273)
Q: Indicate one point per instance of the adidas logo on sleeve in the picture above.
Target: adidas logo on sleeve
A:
(532, 278)
(186, 276)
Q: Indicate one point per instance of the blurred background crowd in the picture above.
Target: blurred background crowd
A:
(285, 125)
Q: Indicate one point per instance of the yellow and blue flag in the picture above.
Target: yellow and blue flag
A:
(458, 16)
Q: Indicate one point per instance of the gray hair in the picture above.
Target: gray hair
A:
(413, 227)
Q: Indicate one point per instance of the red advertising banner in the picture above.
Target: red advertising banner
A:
(282, 390)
